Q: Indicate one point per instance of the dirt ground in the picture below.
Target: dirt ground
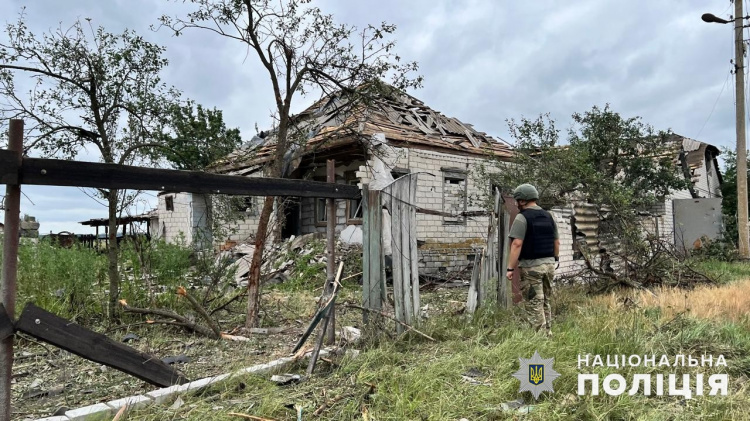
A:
(49, 381)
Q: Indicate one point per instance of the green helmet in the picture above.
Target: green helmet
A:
(525, 192)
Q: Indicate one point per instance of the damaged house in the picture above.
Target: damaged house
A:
(685, 218)
(395, 136)
(398, 134)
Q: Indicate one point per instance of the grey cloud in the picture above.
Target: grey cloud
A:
(483, 60)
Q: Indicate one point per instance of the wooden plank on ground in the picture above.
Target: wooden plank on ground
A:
(96, 347)
(6, 324)
(55, 172)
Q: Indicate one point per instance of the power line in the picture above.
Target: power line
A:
(726, 81)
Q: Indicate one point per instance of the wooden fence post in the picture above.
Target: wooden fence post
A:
(10, 267)
(373, 281)
(331, 246)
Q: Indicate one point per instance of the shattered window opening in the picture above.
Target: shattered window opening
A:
(321, 212)
(455, 199)
(169, 201)
(353, 206)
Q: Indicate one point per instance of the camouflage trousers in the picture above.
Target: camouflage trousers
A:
(536, 291)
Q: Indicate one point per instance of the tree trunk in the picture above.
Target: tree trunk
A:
(114, 276)
(274, 170)
(253, 284)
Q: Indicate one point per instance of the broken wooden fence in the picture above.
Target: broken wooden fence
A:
(16, 170)
(400, 198)
(485, 286)
(373, 267)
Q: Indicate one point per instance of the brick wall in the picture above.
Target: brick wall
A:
(175, 224)
(446, 247)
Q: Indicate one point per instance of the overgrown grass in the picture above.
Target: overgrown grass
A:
(725, 271)
(73, 283)
(68, 282)
(416, 379)
(152, 271)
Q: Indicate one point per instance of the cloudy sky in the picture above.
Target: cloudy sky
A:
(483, 61)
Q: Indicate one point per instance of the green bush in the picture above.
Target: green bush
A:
(152, 270)
(70, 282)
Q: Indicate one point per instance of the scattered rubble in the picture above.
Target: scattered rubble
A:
(284, 379)
(279, 259)
(350, 334)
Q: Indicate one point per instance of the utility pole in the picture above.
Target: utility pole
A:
(739, 84)
(739, 74)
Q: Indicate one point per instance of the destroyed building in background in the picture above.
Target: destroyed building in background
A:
(397, 135)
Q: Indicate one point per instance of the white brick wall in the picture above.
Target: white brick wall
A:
(177, 222)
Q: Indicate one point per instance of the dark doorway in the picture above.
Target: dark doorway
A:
(292, 223)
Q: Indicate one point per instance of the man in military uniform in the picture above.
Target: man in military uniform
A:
(534, 251)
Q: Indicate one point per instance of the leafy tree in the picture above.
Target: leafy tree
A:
(303, 51)
(91, 89)
(198, 137)
(625, 153)
(619, 164)
(539, 159)
(608, 159)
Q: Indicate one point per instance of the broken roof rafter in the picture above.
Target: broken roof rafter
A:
(401, 117)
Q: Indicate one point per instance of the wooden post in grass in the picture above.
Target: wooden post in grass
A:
(10, 265)
(331, 259)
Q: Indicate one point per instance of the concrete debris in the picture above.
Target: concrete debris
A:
(283, 379)
(177, 404)
(277, 265)
(351, 334)
(352, 234)
(241, 269)
(244, 250)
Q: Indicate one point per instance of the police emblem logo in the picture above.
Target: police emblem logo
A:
(536, 375)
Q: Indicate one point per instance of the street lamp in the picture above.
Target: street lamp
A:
(739, 74)
(710, 18)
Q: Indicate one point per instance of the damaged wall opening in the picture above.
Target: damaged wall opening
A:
(455, 199)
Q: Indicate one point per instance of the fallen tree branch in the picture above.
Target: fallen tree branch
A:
(236, 297)
(332, 402)
(180, 320)
(351, 276)
(181, 291)
(603, 274)
(119, 413)
(388, 316)
(249, 417)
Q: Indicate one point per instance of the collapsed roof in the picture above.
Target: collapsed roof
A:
(404, 120)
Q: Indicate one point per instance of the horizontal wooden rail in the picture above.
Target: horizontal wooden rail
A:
(96, 347)
(56, 172)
